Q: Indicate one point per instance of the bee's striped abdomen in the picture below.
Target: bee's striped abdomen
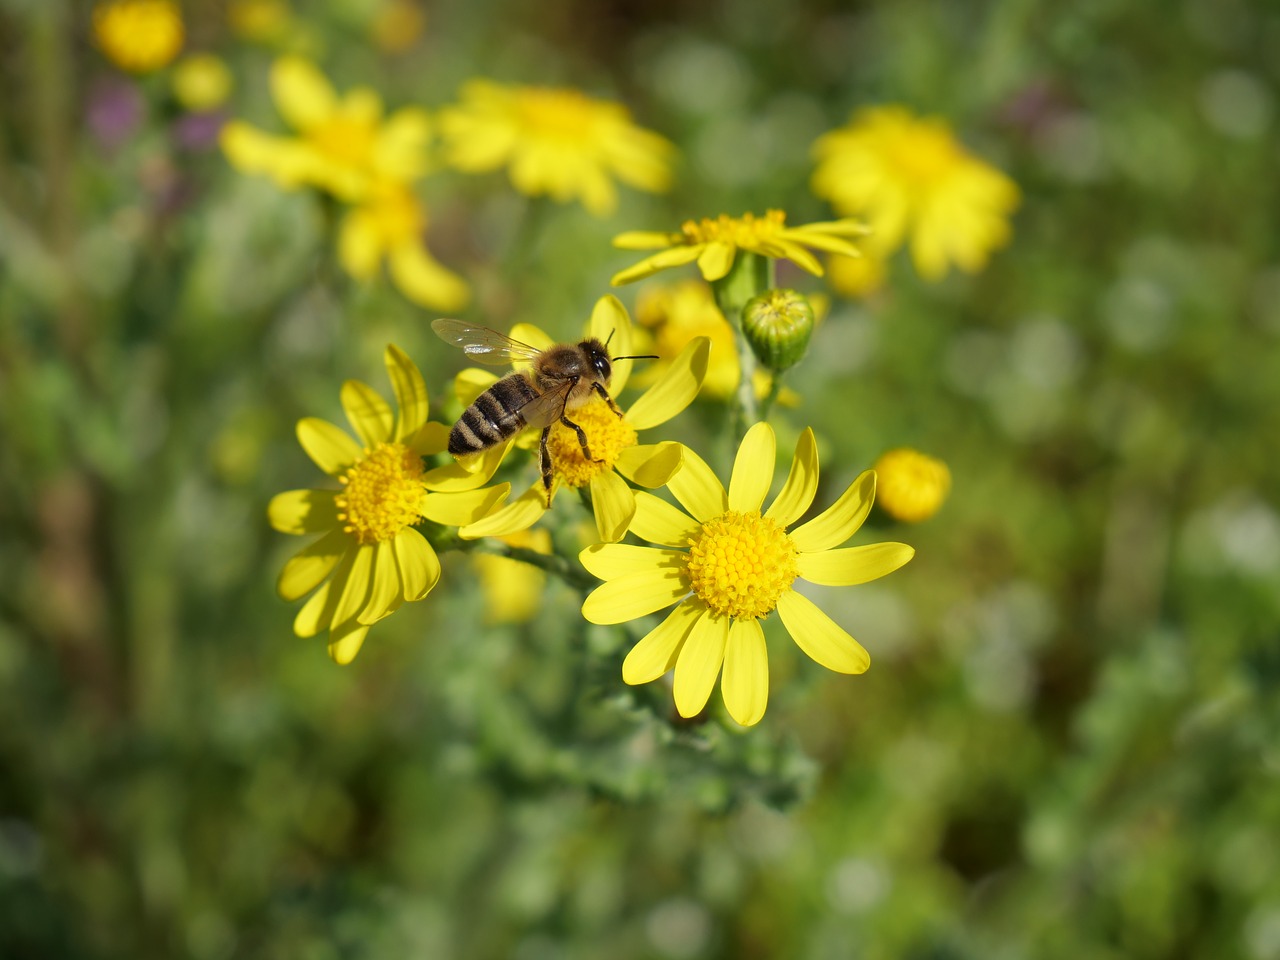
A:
(494, 416)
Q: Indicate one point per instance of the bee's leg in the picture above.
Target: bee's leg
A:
(582, 438)
(595, 385)
(544, 464)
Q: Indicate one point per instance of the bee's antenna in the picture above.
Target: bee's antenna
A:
(644, 356)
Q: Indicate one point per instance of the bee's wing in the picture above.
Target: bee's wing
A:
(546, 408)
(483, 344)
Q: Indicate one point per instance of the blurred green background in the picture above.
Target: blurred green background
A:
(1069, 742)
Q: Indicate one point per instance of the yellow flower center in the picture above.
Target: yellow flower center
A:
(384, 493)
(347, 140)
(139, 35)
(740, 564)
(396, 215)
(745, 231)
(607, 436)
(923, 152)
(553, 113)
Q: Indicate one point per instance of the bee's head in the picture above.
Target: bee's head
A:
(597, 355)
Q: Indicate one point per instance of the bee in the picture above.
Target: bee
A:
(560, 379)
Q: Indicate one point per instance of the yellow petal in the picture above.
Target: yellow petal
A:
(608, 561)
(459, 509)
(303, 95)
(345, 642)
(355, 594)
(360, 244)
(613, 503)
(520, 514)
(802, 483)
(698, 489)
(634, 596)
(369, 414)
(650, 464)
(675, 389)
(844, 568)
(418, 563)
(610, 324)
(303, 511)
(329, 447)
(317, 613)
(424, 281)
(821, 637)
(716, 260)
(753, 469)
(532, 335)
(699, 662)
(659, 522)
(644, 240)
(656, 652)
(385, 587)
(470, 383)
(468, 473)
(431, 438)
(303, 571)
(745, 684)
(675, 257)
(841, 520)
(399, 153)
(412, 399)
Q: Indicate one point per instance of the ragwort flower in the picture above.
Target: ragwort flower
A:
(138, 35)
(370, 558)
(714, 244)
(913, 485)
(613, 440)
(727, 565)
(910, 178)
(344, 146)
(391, 224)
(554, 141)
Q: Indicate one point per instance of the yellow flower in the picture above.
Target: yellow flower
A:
(913, 485)
(138, 35)
(391, 224)
(201, 82)
(370, 558)
(613, 440)
(857, 278)
(910, 177)
(715, 243)
(677, 313)
(344, 146)
(260, 20)
(398, 25)
(554, 141)
(727, 565)
(512, 588)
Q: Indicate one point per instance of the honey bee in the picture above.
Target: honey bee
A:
(560, 379)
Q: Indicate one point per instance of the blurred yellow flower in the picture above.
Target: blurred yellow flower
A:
(727, 566)
(201, 82)
(391, 224)
(138, 35)
(512, 588)
(370, 558)
(613, 440)
(259, 20)
(714, 244)
(554, 141)
(344, 146)
(676, 313)
(398, 25)
(857, 278)
(910, 178)
(913, 485)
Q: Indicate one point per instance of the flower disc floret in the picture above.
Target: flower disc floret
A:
(740, 565)
(745, 231)
(383, 494)
(607, 436)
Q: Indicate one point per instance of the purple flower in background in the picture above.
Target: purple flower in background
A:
(115, 112)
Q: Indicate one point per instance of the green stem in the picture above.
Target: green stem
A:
(775, 387)
(567, 570)
(750, 275)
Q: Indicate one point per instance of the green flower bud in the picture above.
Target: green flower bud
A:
(778, 324)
